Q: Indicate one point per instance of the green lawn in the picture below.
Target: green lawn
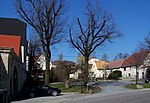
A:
(146, 85)
(133, 86)
(74, 88)
(140, 80)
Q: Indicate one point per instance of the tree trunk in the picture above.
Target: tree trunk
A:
(85, 72)
(47, 71)
(136, 75)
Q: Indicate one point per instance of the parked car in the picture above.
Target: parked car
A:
(44, 90)
(147, 80)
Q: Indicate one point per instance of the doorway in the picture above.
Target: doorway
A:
(148, 73)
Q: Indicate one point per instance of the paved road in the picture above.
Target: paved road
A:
(109, 89)
(50, 99)
(141, 96)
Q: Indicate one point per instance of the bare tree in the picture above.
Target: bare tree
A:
(145, 45)
(98, 28)
(104, 57)
(34, 49)
(80, 59)
(121, 56)
(60, 57)
(35, 45)
(45, 17)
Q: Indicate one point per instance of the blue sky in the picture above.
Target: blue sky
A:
(131, 16)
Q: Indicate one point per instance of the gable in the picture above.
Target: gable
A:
(116, 64)
(136, 59)
(147, 61)
(11, 42)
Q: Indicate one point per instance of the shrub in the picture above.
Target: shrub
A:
(118, 72)
(113, 76)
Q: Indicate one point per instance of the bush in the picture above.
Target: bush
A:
(113, 76)
(118, 72)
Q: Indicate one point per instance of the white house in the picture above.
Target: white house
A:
(98, 68)
(75, 75)
(42, 62)
(134, 65)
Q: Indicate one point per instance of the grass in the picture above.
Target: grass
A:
(74, 88)
(140, 80)
(133, 86)
(146, 85)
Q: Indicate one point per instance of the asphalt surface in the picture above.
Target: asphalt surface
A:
(140, 96)
(110, 91)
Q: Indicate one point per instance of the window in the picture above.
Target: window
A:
(129, 75)
(44, 87)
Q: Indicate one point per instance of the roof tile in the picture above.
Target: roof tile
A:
(116, 64)
(10, 42)
(136, 58)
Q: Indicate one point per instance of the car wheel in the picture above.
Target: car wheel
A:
(32, 95)
(54, 93)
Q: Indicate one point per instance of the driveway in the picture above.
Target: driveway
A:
(108, 88)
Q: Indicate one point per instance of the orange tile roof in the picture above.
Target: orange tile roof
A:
(11, 42)
(101, 65)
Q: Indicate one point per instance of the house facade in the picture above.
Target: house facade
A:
(135, 65)
(75, 75)
(13, 55)
(11, 72)
(98, 68)
(41, 61)
(39, 67)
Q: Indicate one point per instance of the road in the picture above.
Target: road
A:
(140, 96)
(135, 96)
(112, 92)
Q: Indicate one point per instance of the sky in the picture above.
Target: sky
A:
(131, 16)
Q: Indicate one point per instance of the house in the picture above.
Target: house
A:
(117, 65)
(146, 65)
(39, 67)
(12, 55)
(41, 61)
(11, 73)
(71, 69)
(136, 64)
(98, 68)
(133, 65)
(14, 28)
(72, 65)
(75, 74)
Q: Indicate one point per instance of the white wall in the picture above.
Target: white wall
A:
(41, 60)
(130, 72)
(96, 73)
